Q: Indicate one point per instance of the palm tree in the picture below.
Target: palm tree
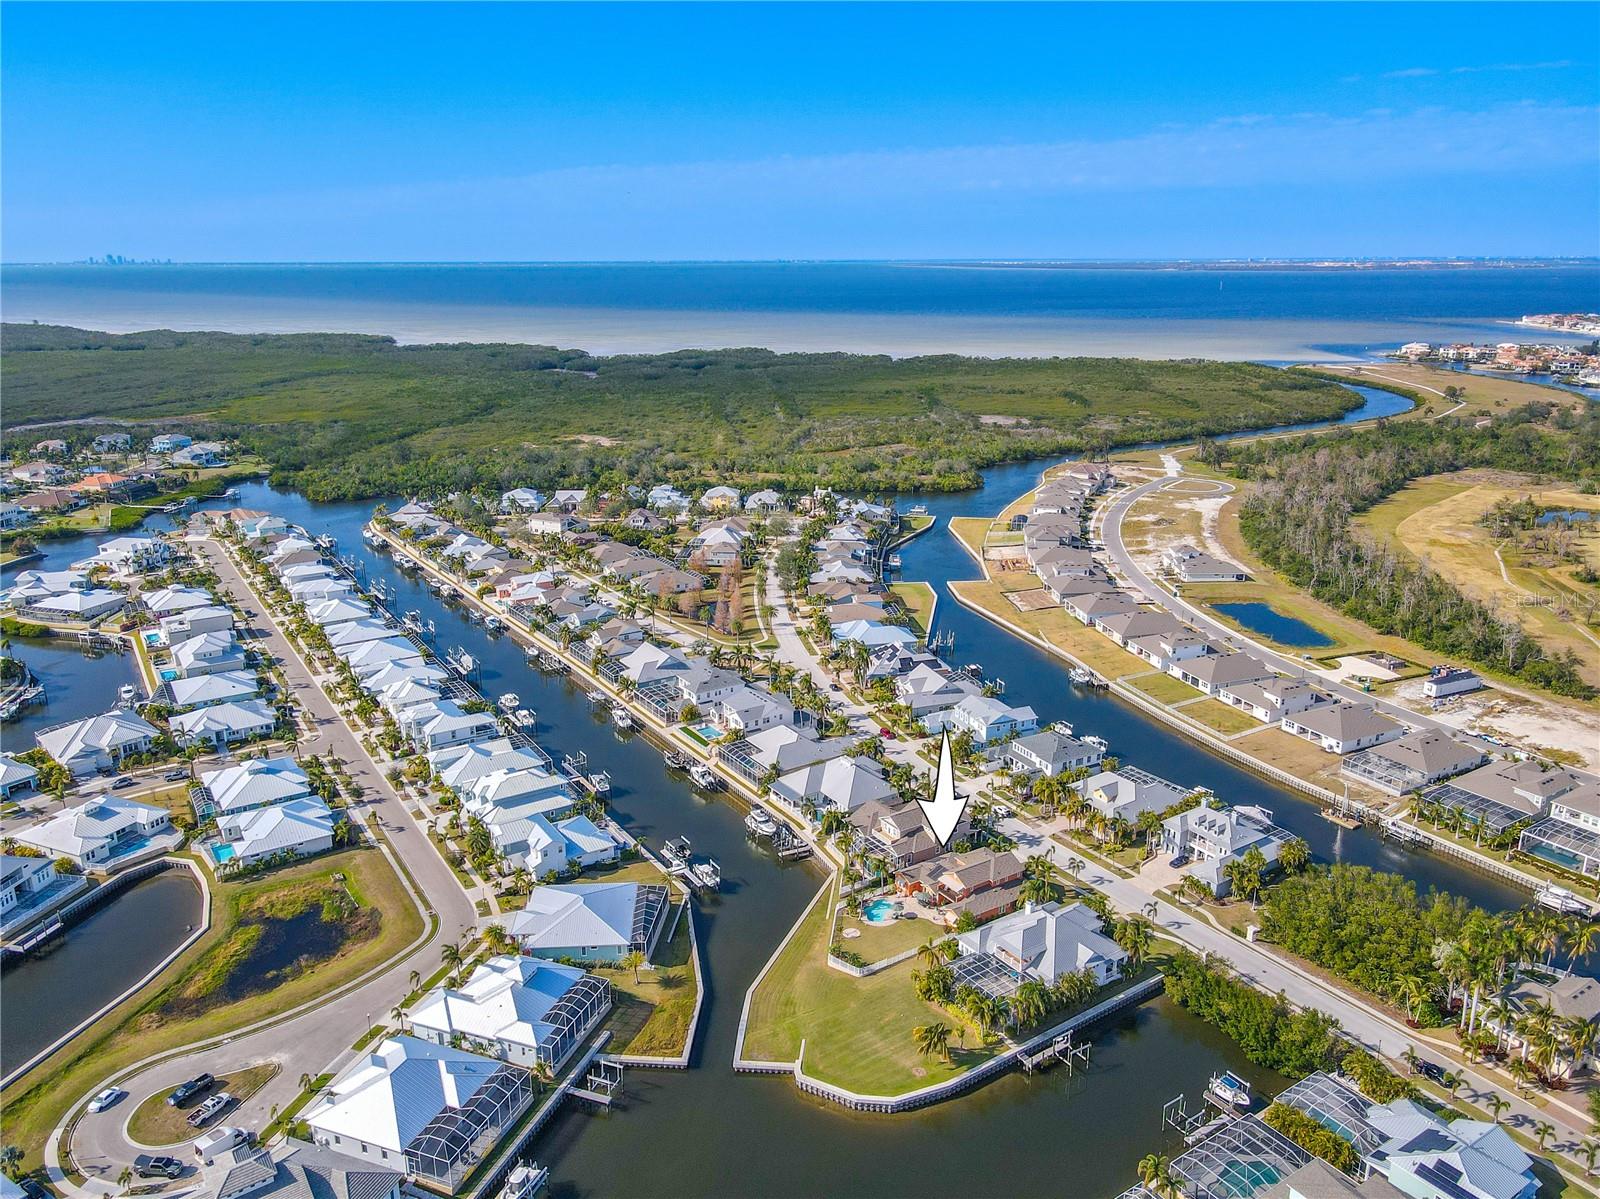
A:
(450, 956)
(1496, 1103)
(1544, 1130)
(1411, 991)
(931, 952)
(1590, 1151)
(1452, 1082)
(1520, 1072)
(1294, 855)
(399, 1015)
(1155, 1172)
(305, 1082)
(633, 960)
(416, 978)
(1134, 935)
(931, 1039)
(1030, 1002)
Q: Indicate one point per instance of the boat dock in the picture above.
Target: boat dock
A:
(1059, 1049)
(789, 845)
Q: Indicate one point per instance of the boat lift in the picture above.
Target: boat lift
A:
(1060, 1049)
(601, 1084)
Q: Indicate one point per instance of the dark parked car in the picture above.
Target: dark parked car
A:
(146, 1166)
(192, 1089)
(124, 782)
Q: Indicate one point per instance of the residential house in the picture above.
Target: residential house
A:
(983, 882)
(98, 742)
(166, 443)
(301, 1171)
(30, 886)
(930, 687)
(202, 455)
(1213, 837)
(1273, 699)
(522, 499)
(1128, 793)
(746, 709)
(169, 601)
(717, 545)
(1445, 681)
(600, 922)
(873, 634)
(1037, 944)
(555, 522)
(1215, 673)
(250, 784)
(763, 502)
(897, 833)
(207, 653)
(1412, 761)
(13, 516)
(1344, 728)
(1051, 751)
(429, 1110)
(1090, 607)
(433, 726)
(838, 784)
(96, 834)
(777, 751)
(518, 1009)
(49, 499)
(987, 719)
(296, 828)
(79, 606)
(132, 553)
(1193, 565)
(226, 723)
(720, 498)
(16, 776)
(645, 521)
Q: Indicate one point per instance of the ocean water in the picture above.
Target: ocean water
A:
(892, 308)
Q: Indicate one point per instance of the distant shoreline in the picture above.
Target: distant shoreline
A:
(1062, 264)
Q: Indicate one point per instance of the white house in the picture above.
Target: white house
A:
(594, 921)
(97, 833)
(873, 634)
(1128, 792)
(1213, 837)
(1275, 698)
(1051, 751)
(297, 827)
(1220, 672)
(132, 553)
(98, 742)
(1444, 681)
(763, 501)
(168, 601)
(441, 723)
(986, 718)
(521, 1010)
(15, 776)
(226, 723)
(166, 443)
(253, 783)
(841, 784)
(1037, 943)
(207, 653)
(1344, 728)
(387, 1106)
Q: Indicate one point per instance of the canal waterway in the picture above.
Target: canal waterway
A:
(99, 959)
(708, 1131)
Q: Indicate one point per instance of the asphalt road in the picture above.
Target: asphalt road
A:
(318, 1039)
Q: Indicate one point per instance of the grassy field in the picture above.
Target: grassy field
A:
(1294, 754)
(156, 1123)
(969, 531)
(875, 942)
(1059, 628)
(350, 415)
(1435, 520)
(857, 1031)
(1224, 718)
(1164, 688)
(651, 1015)
(1484, 394)
(142, 1026)
(918, 599)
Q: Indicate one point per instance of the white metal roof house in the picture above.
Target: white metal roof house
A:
(457, 766)
(80, 605)
(1129, 792)
(986, 718)
(427, 1109)
(843, 784)
(207, 653)
(337, 609)
(521, 1010)
(132, 553)
(355, 632)
(593, 921)
(296, 828)
(300, 1171)
(435, 725)
(874, 634)
(520, 786)
(1214, 837)
(369, 657)
(1041, 943)
(98, 742)
(253, 783)
(225, 723)
(15, 776)
(1051, 751)
(99, 832)
(206, 689)
(765, 500)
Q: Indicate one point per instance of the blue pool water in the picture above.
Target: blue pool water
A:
(168, 675)
(878, 911)
(707, 732)
(221, 853)
(1274, 625)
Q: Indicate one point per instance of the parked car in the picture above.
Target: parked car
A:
(195, 1087)
(210, 1109)
(1001, 812)
(106, 1098)
(146, 1166)
(124, 782)
(886, 734)
(176, 776)
(217, 1142)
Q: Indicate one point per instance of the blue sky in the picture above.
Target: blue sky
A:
(304, 132)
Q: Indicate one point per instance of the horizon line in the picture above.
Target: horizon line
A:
(1171, 260)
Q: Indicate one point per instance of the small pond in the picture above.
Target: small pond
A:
(1569, 516)
(1274, 625)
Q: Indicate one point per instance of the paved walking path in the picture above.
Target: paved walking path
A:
(318, 1039)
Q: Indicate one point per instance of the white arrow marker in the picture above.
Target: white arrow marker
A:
(944, 811)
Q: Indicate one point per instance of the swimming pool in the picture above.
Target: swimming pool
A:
(168, 675)
(1270, 623)
(878, 911)
(221, 854)
(706, 732)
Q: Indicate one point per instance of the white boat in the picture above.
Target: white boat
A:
(703, 775)
(127, 694)
(510, 701)
(1561, 900)
(326, 542)
(525, 1181)
(1229, 1092)
(676, 851)
(493, 623)
(600, 782)
(706, 875)
(760, 822)
(523, 718)
(371, 537)
(412, 622)
(622, 717)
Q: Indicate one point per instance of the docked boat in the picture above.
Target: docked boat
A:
(523, 718)
(760, 822)
(1229, 1092)
(494, 624)
(526, 1180)
(894, 561)
(412, 621)
(622, 717)
(406, 564)
(371, 537)
(326, 542)
(1559, 899)
(703, 776)
(675, 760)
(600, 782)
(973, 670)
(706, 875)
(127, 695)
(509, 702)
(676, 851)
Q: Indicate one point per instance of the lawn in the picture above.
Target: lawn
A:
(1294, 754)
(1056, 626)
(857, 1031)
(1484, 394)
(1163, 688)
(970, 532)
(140, 1027)
(1215, 714)
(651, 1016)
(156, 1123)
(918, 599)
(876, 942)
